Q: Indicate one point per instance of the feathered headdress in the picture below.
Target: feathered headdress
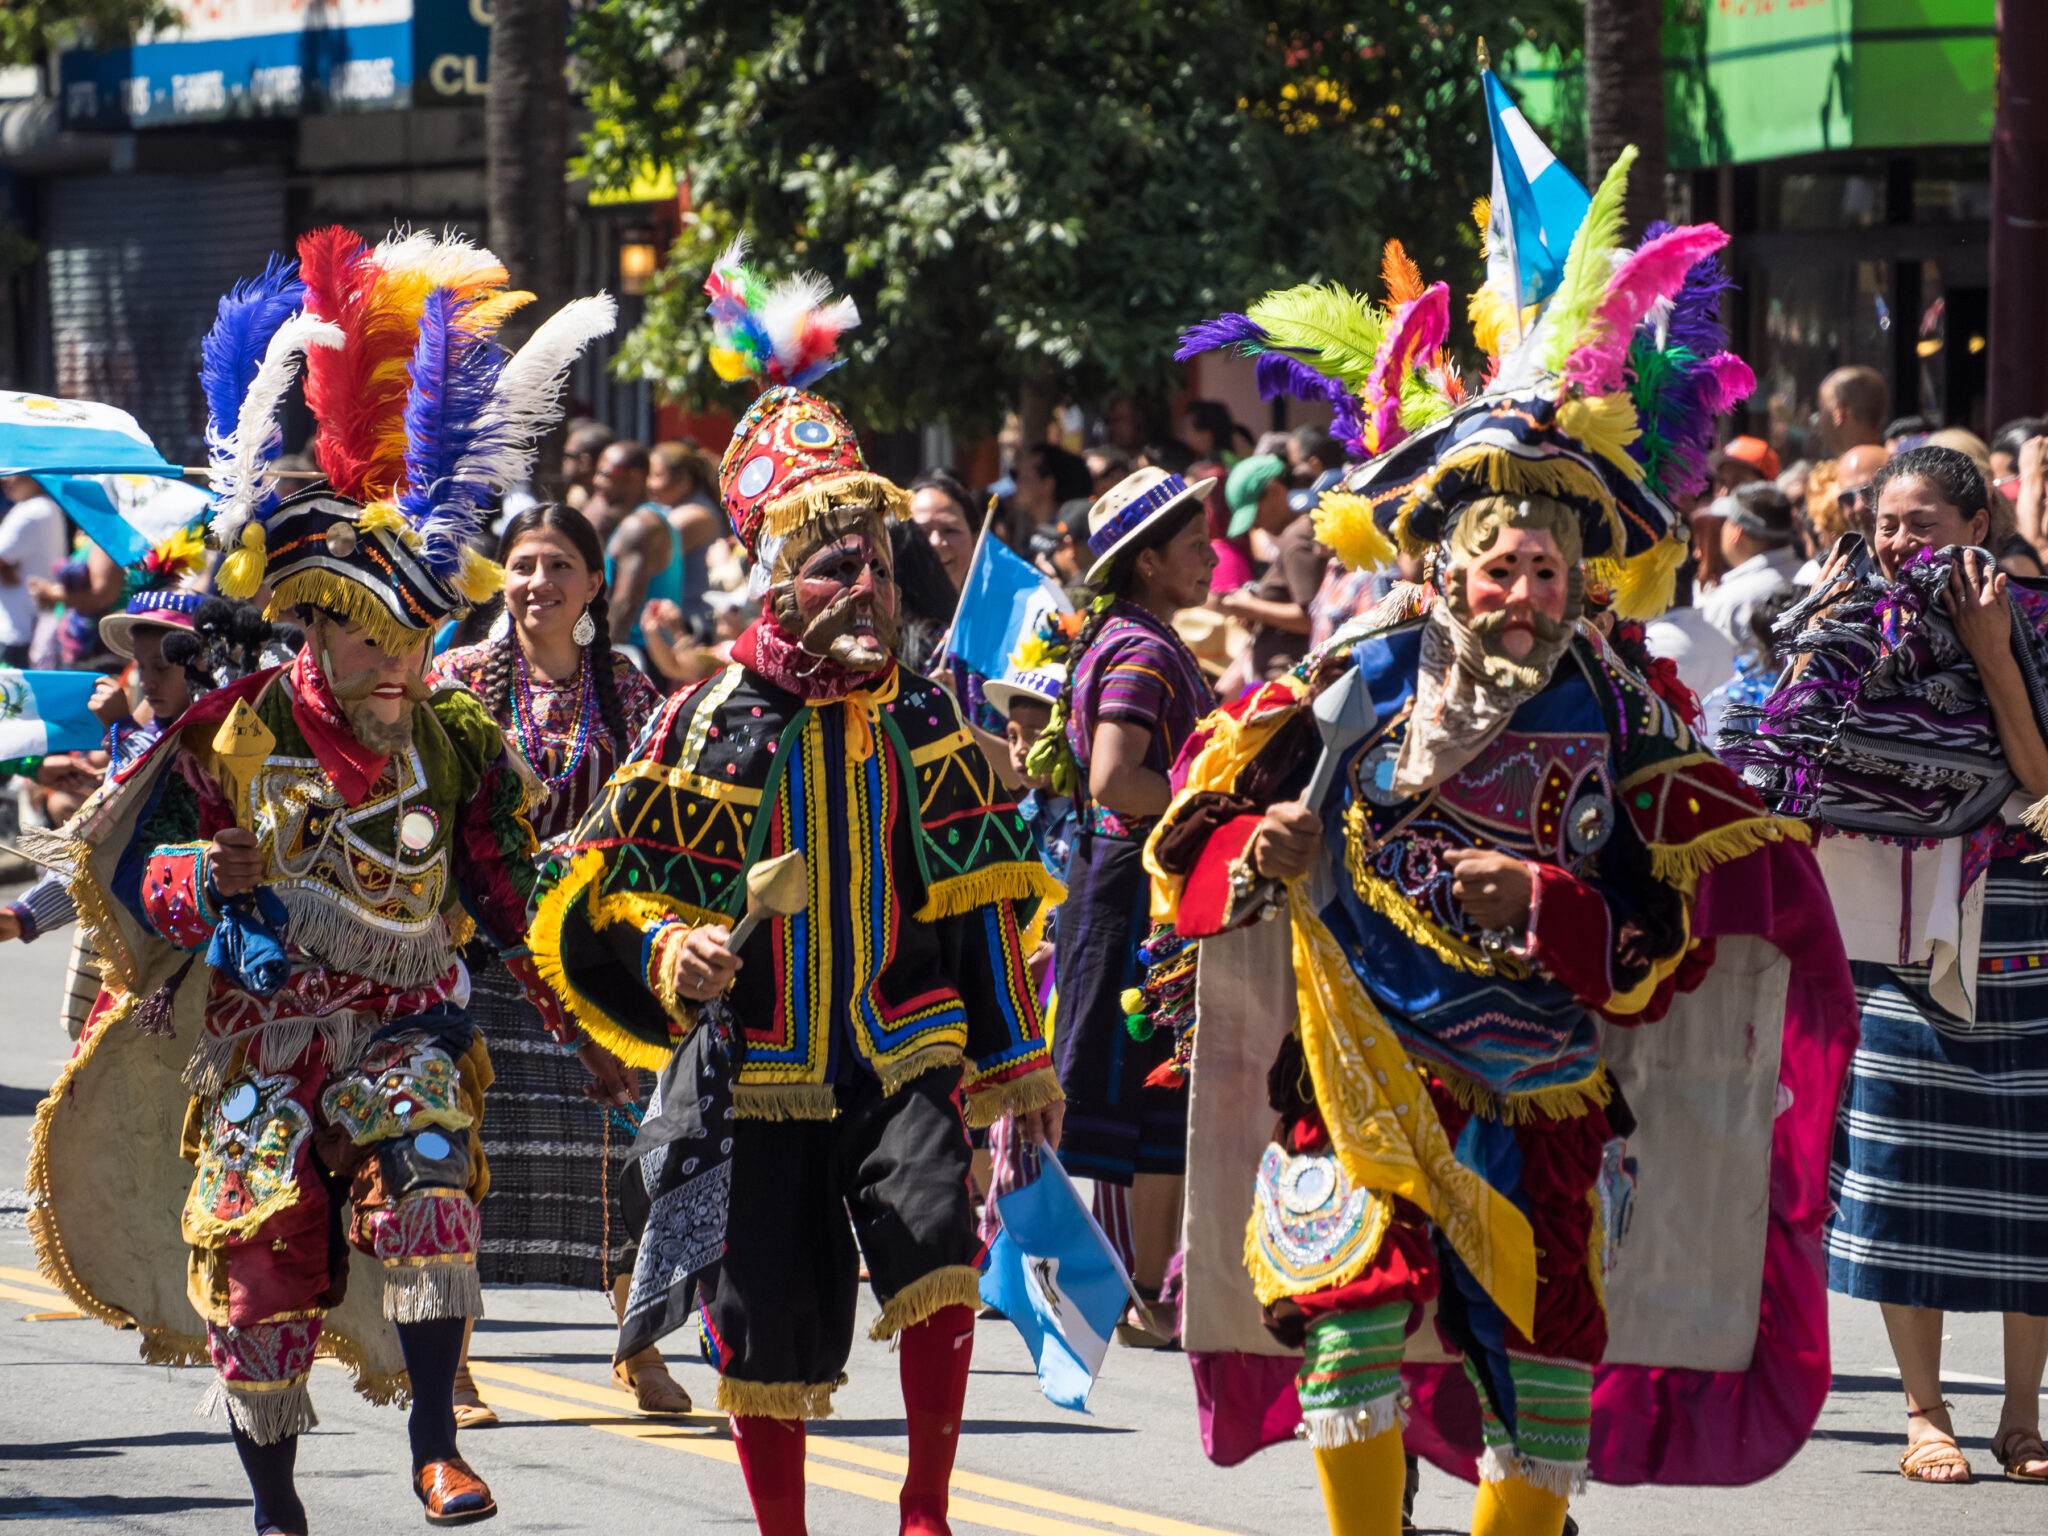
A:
(793, 457)
(1606, 401)
(423, 422)
(154, 593)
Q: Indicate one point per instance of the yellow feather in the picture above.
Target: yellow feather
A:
(1606, 424)
(1650, 580)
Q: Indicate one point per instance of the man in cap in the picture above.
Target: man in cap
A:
(1756, 545)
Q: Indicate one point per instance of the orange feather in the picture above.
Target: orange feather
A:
(1402, 277)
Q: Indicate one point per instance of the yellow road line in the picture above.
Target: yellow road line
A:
(52, 1317)
(28, 1277)
(676, 1432)
(23, 1293)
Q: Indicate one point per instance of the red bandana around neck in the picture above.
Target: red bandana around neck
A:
(762, 647)
(323, 721)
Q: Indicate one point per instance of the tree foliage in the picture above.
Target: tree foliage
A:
(1043, 190)
(30, 29)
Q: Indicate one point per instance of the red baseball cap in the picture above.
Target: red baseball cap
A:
(1756, 453)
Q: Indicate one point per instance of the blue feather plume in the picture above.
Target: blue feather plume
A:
(453, 373)
(248, 316)
(1226, 330)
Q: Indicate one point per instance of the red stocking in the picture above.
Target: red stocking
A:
(772, 1457)
(935, 1357)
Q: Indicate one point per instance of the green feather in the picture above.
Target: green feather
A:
(1422, 402)
(1587, 266)
(1331, 328)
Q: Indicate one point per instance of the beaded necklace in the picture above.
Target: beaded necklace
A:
(527, 724)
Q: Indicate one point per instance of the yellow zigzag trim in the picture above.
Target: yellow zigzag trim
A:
(1511, 475)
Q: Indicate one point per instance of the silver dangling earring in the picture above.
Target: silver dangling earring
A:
(585, 630)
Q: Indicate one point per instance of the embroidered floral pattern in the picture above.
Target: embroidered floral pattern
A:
(400, 1087)
(265, 1354)
(255, 1131)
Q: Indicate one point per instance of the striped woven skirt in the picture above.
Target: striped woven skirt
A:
(552, 1214)
(1941, 1151)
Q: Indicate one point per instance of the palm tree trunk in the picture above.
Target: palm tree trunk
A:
(1625, 99)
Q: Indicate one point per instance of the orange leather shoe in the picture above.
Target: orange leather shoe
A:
(453, 1493)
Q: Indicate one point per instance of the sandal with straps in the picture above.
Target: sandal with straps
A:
(1937, 1450)
(2014, 1449)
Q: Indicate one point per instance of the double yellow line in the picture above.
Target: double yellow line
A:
(839, 1465)
(835, 1464)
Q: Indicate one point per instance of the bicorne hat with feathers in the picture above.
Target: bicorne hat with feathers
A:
(1603, 399)
(423, 422)
(793, 457)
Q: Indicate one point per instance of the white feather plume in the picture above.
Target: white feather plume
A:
(793, 302)
(528, 395)
(449, 262)
(243, 473)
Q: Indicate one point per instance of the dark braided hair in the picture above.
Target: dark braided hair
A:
(502, 665)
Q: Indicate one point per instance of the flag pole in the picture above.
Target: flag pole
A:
(960, 602)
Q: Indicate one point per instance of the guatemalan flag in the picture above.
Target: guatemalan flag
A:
(1052, 1272)
(101, 467)
(1001, 603)
(44, 712)
(1537, 204)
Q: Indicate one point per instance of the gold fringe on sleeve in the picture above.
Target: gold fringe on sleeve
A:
(1018, 1096)
(957, 1285)
(896, 1073)
(784, 1101)
(1015, 882)
(544, 940)
(1681, 864)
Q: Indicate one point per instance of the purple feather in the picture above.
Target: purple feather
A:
(1228, 330)
(248, 316)
(1279, 374)
(1696, 309)
(453, 373)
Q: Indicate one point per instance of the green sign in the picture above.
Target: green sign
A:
(1759, 79)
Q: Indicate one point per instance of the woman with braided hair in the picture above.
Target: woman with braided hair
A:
(556, 1134)
(1133, 698)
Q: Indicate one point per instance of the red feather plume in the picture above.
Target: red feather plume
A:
(356, 391)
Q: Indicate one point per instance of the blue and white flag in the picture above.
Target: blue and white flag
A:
(43, 436)
(128, 515)
(1537, 204)
(1052, 1272)
(44, 712)
(1001, 602)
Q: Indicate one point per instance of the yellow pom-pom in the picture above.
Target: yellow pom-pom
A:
(1606, 424)
(1344, 524)
(480, 577)
(241, 573)
(1650, 580)
(729, 365)
(383, 514)
(1132, 1001)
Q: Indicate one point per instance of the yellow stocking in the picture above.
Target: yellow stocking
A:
(1362, 1485)
(1512, 1507)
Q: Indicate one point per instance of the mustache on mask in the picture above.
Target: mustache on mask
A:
(1489, 627)
(360, 685)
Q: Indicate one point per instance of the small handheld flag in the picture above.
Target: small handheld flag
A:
(128, 515)
(40, 435)
(1537, 204)
(1001, 602)
(1052, 1272)
(45, 712)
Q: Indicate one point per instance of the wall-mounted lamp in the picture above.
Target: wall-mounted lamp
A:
(638, 255)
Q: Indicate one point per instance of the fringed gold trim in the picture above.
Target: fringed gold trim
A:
(820, 497)
(777, 1399)
(426, 1293)
(544, 940)
(897, 1072)
(386, 1389)
(1387, 900)
(1014, 882)
(351, 599)
(1511, 474)
(163, 1346)
(957, 1285)
(118, 965)
(1269, 1285)
(1648, 583)
(1683, 863)
(1567, 1102)
(1018, 1096)
(52, 1258)
(784, 1101)
(266, 1412)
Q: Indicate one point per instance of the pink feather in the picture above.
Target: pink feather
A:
(1417, 329)
(1729, 381)
(1654, 270)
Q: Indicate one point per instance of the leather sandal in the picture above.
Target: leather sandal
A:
(1923, 1456)
(453, 1493)
(471, 1411)
(646, 1376)
(2014, 1448)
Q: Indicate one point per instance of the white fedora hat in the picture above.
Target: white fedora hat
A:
(1127, 510)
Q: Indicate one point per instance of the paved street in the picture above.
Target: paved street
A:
(91, 1438)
